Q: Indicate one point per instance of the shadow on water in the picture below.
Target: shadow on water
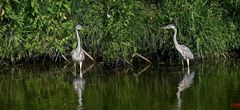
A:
(207, 85)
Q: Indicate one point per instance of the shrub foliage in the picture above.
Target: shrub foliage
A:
(116, 29)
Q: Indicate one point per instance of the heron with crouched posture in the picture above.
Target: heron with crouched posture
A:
(184, 51)
(78, 53)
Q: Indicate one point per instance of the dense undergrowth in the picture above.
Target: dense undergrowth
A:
(117, 29)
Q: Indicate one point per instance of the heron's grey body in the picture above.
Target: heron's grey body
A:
(184, 51)
(78, 53)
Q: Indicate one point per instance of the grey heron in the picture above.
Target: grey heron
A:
(184, 51)
(78, 53)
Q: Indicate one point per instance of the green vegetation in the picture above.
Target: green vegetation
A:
(116, 29)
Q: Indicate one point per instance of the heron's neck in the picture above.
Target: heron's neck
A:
(78, 38)
(174, 37)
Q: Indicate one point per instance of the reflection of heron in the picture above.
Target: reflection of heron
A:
(78, 53)
(79, 84)
(185, 51)
(185, 83)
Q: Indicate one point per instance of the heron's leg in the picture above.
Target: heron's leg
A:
(182, 63)
(188, 62)
(80, 64)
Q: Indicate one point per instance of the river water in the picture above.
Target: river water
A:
(207, 85)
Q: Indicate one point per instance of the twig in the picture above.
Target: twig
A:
(224, 55)
(44, 58)
(64, 57)
(56, 57)
(127, 62)
(136, 54)
(125, 71)
(88, 68)
(89, 56)
(65, 66)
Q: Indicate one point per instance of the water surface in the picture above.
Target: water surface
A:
(207, 85)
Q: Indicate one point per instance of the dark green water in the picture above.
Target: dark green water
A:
(209, 85)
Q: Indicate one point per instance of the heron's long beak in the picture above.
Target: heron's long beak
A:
(80, 28)
(164, 27)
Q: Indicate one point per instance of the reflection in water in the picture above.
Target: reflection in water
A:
(142, 70)
(79, 84)
(216, 87)
(185, 83)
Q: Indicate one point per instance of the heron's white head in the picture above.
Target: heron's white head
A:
(78, 27)
(170, 26)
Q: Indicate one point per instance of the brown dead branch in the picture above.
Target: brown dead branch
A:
(127, 62)
(64, 57)
(89, 56)
(136, 54)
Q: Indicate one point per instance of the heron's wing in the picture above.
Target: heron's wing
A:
(186, 52)
(81, 54)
